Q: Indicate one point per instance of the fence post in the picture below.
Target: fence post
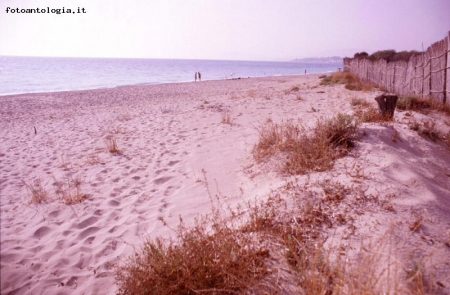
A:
(423, 71)
(431, 69)
(447, 70)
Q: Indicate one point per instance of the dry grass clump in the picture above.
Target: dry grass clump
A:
(111, 145)
(271, 247)
(351, 81)
(371, 114)
(205, 259)
(37, 193)
(417, 103)
(313, 150)
(427, 130)
(446, 139)
(92, 159)
(226, 118)
(412, 102)
(358, 102)
(292, 89)
(69, 190)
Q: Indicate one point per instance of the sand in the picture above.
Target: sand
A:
(171, 138)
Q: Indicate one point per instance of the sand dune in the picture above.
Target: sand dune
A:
(170, 138)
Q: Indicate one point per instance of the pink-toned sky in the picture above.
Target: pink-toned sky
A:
(221, 29)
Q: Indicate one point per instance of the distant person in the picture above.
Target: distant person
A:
(199, 76)
(195, 76)
(305, 71)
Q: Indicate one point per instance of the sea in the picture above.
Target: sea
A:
(50, 74)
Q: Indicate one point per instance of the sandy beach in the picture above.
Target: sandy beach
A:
(171, 139)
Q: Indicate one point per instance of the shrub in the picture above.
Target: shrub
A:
(358, 102)
(216, 261)
(351, 81)
(429, 131)
(371, 114)
(412, 102)
(391, 55)
(69, 190)
(362, 54)
(307, 151)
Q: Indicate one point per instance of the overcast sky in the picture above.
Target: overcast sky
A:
(225, 29)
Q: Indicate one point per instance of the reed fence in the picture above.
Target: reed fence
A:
(426, 74)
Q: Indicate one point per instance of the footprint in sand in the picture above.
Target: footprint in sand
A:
(162, 180)
(87, 222)
(172, 163)
(113, 203)
(157, 172)
(88, 232)
(41, 232)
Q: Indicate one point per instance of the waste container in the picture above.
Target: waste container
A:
(387, 103)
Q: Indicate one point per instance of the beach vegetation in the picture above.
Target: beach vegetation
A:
(417, 103)
(307, 150)
(92, 159)
(362, 54)
(211, 257)
(392, 56)
(293, 89)
(111, 145)
(226, 118)
(69, 190)
(37, 193)
(351, 81)
(388, 55)
(276, 246)
(116, 130)
(370, 114)
(358, 102)
(412, 102)
(428, 130)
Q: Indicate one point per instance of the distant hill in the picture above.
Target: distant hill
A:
(320, 60)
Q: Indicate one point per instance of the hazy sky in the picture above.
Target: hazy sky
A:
(225, 29)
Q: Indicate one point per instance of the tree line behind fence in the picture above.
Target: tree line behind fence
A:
(426, 74)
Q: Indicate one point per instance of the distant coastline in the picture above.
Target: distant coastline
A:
(320, 60)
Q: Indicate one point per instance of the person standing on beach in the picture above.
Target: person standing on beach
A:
(195, 76)
(199, 76)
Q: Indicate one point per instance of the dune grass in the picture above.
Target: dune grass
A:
(275, 246)
(417, 103)
(37, 193)
(308, 150)
(69, 190)
(112, 146)
(281, 245)
(351, 81)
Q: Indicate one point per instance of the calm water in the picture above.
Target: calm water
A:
(38, 74)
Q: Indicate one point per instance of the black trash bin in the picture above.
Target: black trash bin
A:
(387, 103)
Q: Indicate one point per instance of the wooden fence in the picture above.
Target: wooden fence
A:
(426, 74)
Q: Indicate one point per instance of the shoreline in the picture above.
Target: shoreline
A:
(156, 83)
